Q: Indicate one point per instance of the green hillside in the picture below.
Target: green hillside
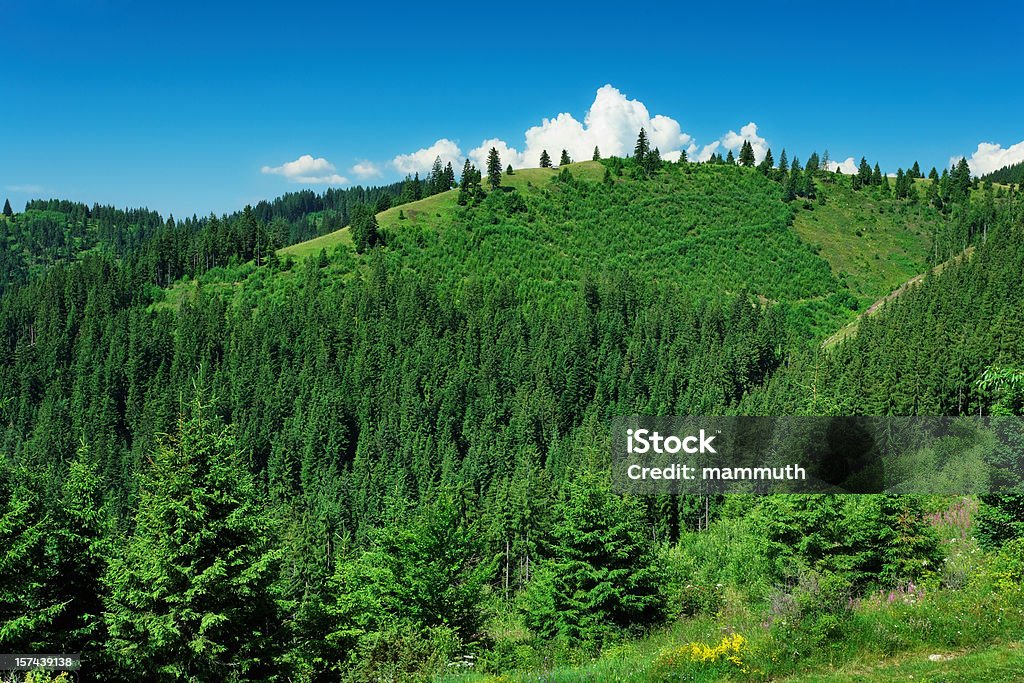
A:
(399, 453)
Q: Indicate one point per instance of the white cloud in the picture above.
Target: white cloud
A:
(422, 160)
(508, 155)
(748, 133)
(366, 169)
(611, 124)
(703, 154)
(25, 189)
(308, 170)
(848, 167)
(991, 157)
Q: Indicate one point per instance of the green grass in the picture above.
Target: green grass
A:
(1001, 664)
(875, 244)
(429, 212)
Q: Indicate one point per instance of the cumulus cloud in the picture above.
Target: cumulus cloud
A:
(703, 153)
(366, 169)
(422, 160)
(990, 156)
(848, 167)
(508, 155)
(748, 133)
(611, 124)
(308, 170)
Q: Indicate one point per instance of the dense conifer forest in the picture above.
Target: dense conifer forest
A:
(221, 459)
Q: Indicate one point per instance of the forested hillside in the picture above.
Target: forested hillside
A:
(1007, 175)
(385, 456)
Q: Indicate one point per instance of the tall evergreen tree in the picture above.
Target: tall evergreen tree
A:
(449, 176)
(9, 212)
(597, 154)
(783, 161)
(582, 592)
(364, 227)
(864, 172)
(564, 160)
(876, 175)
(545, 159)
(190, 592)
(494, 168)
(642, 147)
(747, 154)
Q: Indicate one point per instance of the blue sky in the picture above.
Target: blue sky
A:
(180, 107)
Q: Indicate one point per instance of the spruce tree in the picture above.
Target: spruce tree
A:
(783, 161)
(494, 169)
(564, 160)
(653, 161)
(915, 171)
(864, 172)
(597, 154)
(813, 163)
(682, 157)
(642, 147)
(509, 171)
(730, 159)
(545, 159)
(10, 212)
(582, 592)
(747, 154)
(190, 591)
(436, 179)
(364, 227)
(876, 175)
(449, 176)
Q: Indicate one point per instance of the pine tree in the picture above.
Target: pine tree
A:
(813, 163)
(449, 176)
(190, 592)
(9, 212)
(767, 163)
(494, 168)
(653, 161)
(642, 147)
(730, 159)
(545, 159)
(509, 171)
(876, 175)
(915, 171)
(901, 184)
(436, 178)
(783, 161)
(747, 154)
(682, 157)
(467, 175)
(564, 160)
(364, 227)
(864, 172)
(581, 591)
(597, 154)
